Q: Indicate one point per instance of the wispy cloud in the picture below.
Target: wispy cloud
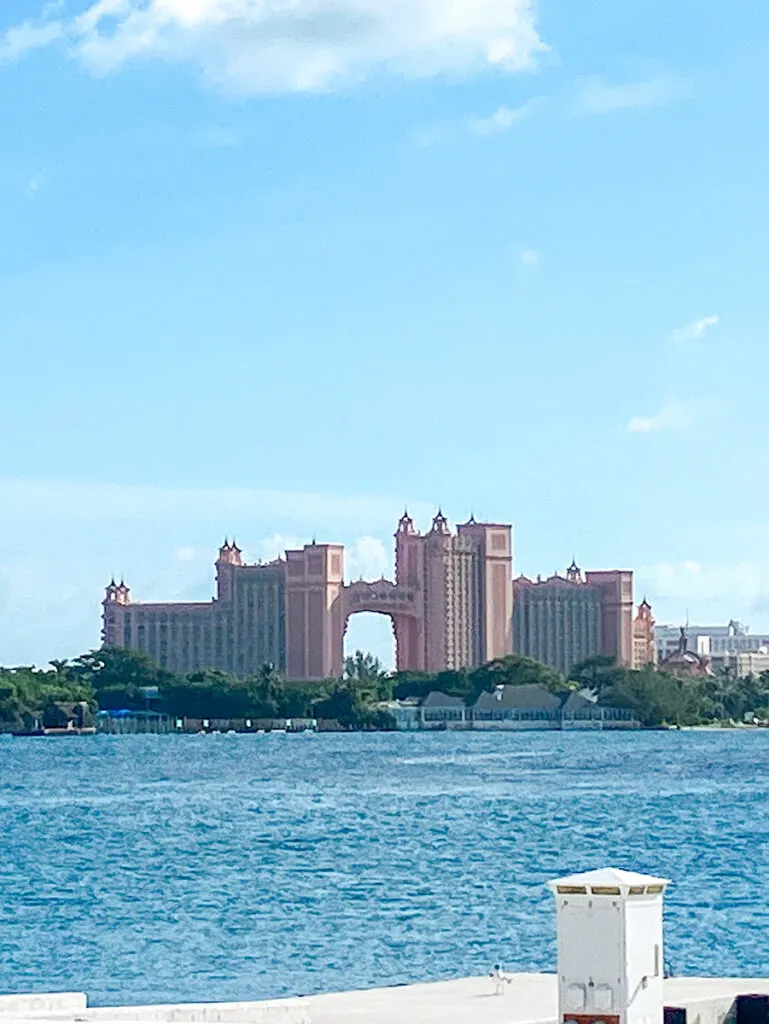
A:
(672, 416)
(694, 331)
(252, 47)
(503, 119)
(34, 184)
(368, 559)
(691, 581)
(29, 36)
(594, 96)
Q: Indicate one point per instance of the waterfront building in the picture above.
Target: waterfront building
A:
(440, 711)
(506, 707)
(528, 706)
(450, 606)
(644, 647)
(532, 707)
(562, 620)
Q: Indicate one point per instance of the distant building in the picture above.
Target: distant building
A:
(684, 662)
(752, 663)
(507, 707)
(532, 707)
(440, 711)
(721, 644)
(67, 716)
(644, 647)
(528, 706)
(562, 620)
(450, 605)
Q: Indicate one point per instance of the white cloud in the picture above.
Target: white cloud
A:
(672, 416)
(694, 331)
(29, 36)
(187, 554)
(275, 546)
(597, 97)
(367, 559)
(34, 184)
(503, 119)
(744, 583)
(530, 257)
(255, 46)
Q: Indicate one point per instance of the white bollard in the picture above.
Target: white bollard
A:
(610, 953)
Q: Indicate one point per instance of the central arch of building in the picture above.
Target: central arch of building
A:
(396, 601)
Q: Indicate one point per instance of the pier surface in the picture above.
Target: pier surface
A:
(528, 999)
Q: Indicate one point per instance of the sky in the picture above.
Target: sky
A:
(277, 268)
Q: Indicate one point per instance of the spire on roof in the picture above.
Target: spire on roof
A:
(406, 523)
(574, 573)
(440, 524)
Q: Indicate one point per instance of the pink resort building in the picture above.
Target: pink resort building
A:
(451, 606)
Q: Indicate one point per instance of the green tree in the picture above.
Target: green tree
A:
(363, 668)
(515, 670)
(344, 705)
(369, 674)
(596, 673)
(657, 698)
(266, 693)
(27, 691)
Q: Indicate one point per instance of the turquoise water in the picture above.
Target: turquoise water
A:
(194, 868)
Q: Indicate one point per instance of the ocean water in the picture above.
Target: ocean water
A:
(145, 868)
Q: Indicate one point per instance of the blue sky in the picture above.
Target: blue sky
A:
(278, 269)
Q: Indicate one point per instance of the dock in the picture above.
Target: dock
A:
(609, 927)
(528, 999)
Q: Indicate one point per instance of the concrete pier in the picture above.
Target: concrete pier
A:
(528, 999)
(610, 971)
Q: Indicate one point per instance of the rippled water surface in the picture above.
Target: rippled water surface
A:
(193, 868)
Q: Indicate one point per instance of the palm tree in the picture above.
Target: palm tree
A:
(363, 668)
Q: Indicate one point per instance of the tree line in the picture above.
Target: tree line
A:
(111, 679)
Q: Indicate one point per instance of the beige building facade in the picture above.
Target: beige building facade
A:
(451, 606)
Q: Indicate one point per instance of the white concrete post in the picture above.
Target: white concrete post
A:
(610, 955)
